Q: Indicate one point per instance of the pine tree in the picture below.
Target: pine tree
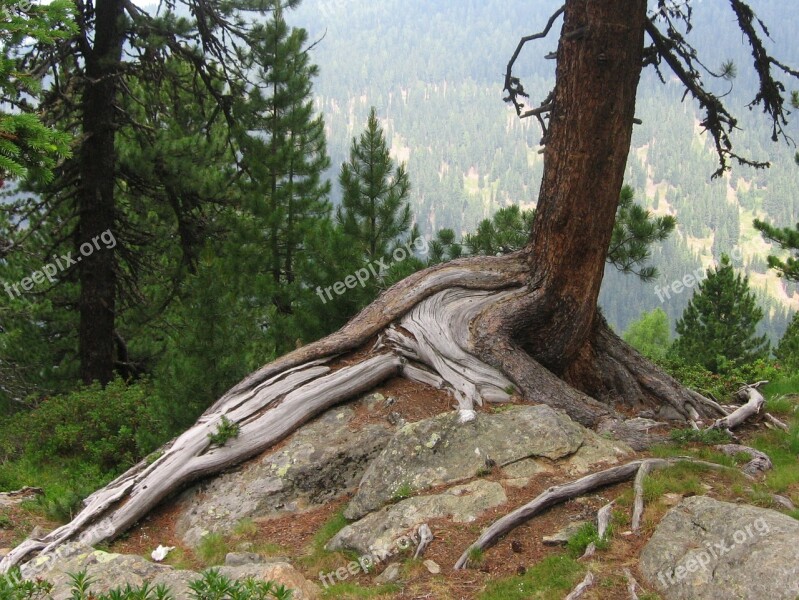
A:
(717, 328)
(374, 209)
(285, 156)
(788, 349)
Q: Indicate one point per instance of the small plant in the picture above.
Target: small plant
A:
(476, 555)
(225, 431)
(212, 549)
(403, 491)
(509, 390)
(700, 436)
(5, 522)
(585, 535)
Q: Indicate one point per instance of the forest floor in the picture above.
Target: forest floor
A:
(520, 566)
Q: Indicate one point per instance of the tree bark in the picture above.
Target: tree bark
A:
(96, 265)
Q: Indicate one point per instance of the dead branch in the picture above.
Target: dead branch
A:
(586, 583)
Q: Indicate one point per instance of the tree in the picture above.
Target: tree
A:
(374, 209)
(634, 232)
(717, 328)
(787, 352)
(93, 75)
(29, 150)
(483, 325)
(650, 334)
(287, 153)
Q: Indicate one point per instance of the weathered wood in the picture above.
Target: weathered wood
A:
(425, 537)
(748, 410)
(631, 584)
(550, 497)
(638, 487)
(603, 516)
(296, 398)
(581, 588)
(560, 493)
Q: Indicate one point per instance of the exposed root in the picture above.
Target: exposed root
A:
(638, 503)
(567, 491)
(582, 587)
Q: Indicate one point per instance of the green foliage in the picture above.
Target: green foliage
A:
(476, 556)
(634, 233)
(717, 329)
(29, 150)
(225, 431)
(331, 527)
(787, 239)
(650, 334)
(374, 210)
(787, 351)
(109, 429)
(212, 585)
(700, 436)
(213, 549)
(585, 535)
(550, 579)
(403, 491)
(720, 385)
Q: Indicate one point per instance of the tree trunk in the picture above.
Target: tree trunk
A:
(477, 326)
(96, 264)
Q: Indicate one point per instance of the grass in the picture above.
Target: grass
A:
(783, 448)
(331, 527)
(347, 591)
(700, 436)
(550, 579)
(585, 535)
(476, 555)
(682, 478)
(213, 549)
(403, 491)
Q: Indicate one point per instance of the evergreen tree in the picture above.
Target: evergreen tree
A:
(634, 233)
(717, 328)
(788, 349)
(284, 194)
(374, 209)
(650, 334)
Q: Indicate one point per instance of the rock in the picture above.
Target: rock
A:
(781, 500)
(671, 499)
(281, 573)
(381, 532)
(318, 463)
(110, 571)
(525, 468)
(19, 496)
(704, 549)
(432, 566)
(442, 450)
(237, 559)
(595, 449)
(389, 574)
(560, 538)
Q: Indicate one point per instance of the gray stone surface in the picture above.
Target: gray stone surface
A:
(704, 549)
(441, 450)
(110, 571)
(382, 531)
(562, 537)
(318, 463)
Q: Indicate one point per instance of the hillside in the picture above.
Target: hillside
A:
(435, 75)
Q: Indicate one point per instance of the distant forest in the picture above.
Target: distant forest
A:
(434, 72)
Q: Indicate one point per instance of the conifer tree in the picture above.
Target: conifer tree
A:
(717, 328)
(788, 349)
(285, 156)
(374, 209)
